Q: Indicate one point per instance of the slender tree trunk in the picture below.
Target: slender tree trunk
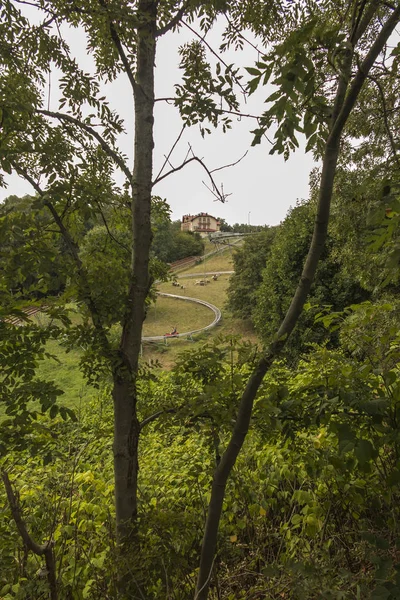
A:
(45, 550)
(346, 98)
(126, 428)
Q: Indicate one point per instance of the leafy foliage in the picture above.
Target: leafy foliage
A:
(24, 394)
(249, 262)
(171, 244)
(201, 94)
(313, 503)
(31, 266)
(282, 272)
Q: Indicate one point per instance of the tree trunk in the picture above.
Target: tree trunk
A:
(346, 97)
(45, 550)
(126, 427)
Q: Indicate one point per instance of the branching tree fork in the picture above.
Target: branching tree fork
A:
(46, 550)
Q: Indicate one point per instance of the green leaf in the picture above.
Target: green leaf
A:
(394, 478)
(380, 593)
(364, 451)
(53, 411)
(253, 71)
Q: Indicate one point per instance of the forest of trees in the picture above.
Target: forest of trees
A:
(243, 471)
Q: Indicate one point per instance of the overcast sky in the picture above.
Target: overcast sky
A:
(262, 186)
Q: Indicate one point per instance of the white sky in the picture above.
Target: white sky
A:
(262, 186)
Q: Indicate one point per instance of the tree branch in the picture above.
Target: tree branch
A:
(88, 129)
(231, 164)
(174, 21)
(385, 119)
(203, 41)
(360, 25)
(114, 239)
(363, 20)
(363, 71)
(121, 52)
(167, 100)
(38, 549)
(155, 416)
(45, 550)
(241, 36)
(221, 197)
(170, 152)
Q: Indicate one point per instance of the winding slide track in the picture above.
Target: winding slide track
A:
(187, 334)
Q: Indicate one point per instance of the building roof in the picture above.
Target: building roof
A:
(188, 218)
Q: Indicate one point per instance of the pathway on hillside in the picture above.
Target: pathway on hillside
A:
(199, 275)
(214, 309)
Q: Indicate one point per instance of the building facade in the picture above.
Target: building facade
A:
(202, 223)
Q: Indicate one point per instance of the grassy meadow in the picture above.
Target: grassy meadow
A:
(64, 370)
(217, 262)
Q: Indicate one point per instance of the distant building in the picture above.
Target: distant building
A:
(203, 223)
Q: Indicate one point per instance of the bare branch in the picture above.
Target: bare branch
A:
(239, 114)
(168, 100)
(231, 164)
(171, 151)
(220, 111)
(186, 162)
(218, 194)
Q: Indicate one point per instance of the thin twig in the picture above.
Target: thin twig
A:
(237, 30)
(207, 580)
(231, 164)
(171, 151)
(114, 239)
(217, 195)
(155, 416)
(186, 162)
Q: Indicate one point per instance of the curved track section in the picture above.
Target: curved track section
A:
(193, 275)
(214, 309)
